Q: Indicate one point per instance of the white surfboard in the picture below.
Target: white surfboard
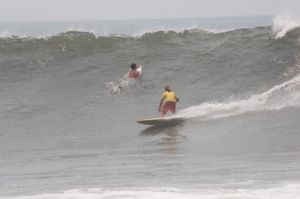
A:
(161, 121)
(140, 69)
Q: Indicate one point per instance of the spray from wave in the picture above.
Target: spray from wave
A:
(281, 96)
(284, 24)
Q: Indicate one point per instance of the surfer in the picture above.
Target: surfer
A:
(168, 102)
(133, 73)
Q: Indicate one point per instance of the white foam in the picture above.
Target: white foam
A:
(167, 29)
(286, 191)
(281, 96)
(6, 34)
(283, 24)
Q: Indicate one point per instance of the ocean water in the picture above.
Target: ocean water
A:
(64, 134)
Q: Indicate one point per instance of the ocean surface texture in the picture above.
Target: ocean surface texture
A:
(65, 134)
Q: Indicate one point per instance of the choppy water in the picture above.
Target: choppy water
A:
(64, 135)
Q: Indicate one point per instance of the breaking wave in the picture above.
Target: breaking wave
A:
(279, 97)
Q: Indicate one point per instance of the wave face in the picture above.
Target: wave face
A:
(62, 129)
(236, 62)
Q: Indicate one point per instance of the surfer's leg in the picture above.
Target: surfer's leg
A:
(171, 106)
(173, 111)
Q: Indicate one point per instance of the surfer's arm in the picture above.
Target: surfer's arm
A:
(125, 76)
(161, 102)
(177, 99)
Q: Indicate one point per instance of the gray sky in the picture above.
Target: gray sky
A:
(53, 10)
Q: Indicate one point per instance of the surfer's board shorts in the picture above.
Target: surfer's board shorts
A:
(168, 106)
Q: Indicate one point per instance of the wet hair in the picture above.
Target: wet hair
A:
(167, 87)
(133, 66)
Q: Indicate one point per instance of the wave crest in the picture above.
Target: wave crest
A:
(283, 25)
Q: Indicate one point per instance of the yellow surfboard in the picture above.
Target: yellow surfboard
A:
(161, 121)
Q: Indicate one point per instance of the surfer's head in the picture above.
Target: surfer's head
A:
(133, 66)
(167, 88)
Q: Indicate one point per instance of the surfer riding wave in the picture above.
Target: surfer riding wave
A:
(168, 102)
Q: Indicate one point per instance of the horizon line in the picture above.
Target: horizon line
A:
(137, 19)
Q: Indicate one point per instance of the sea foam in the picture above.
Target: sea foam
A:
(285, 191)
(278, 97)
(283, 24)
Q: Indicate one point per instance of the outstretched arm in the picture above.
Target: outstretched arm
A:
(125, 76)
